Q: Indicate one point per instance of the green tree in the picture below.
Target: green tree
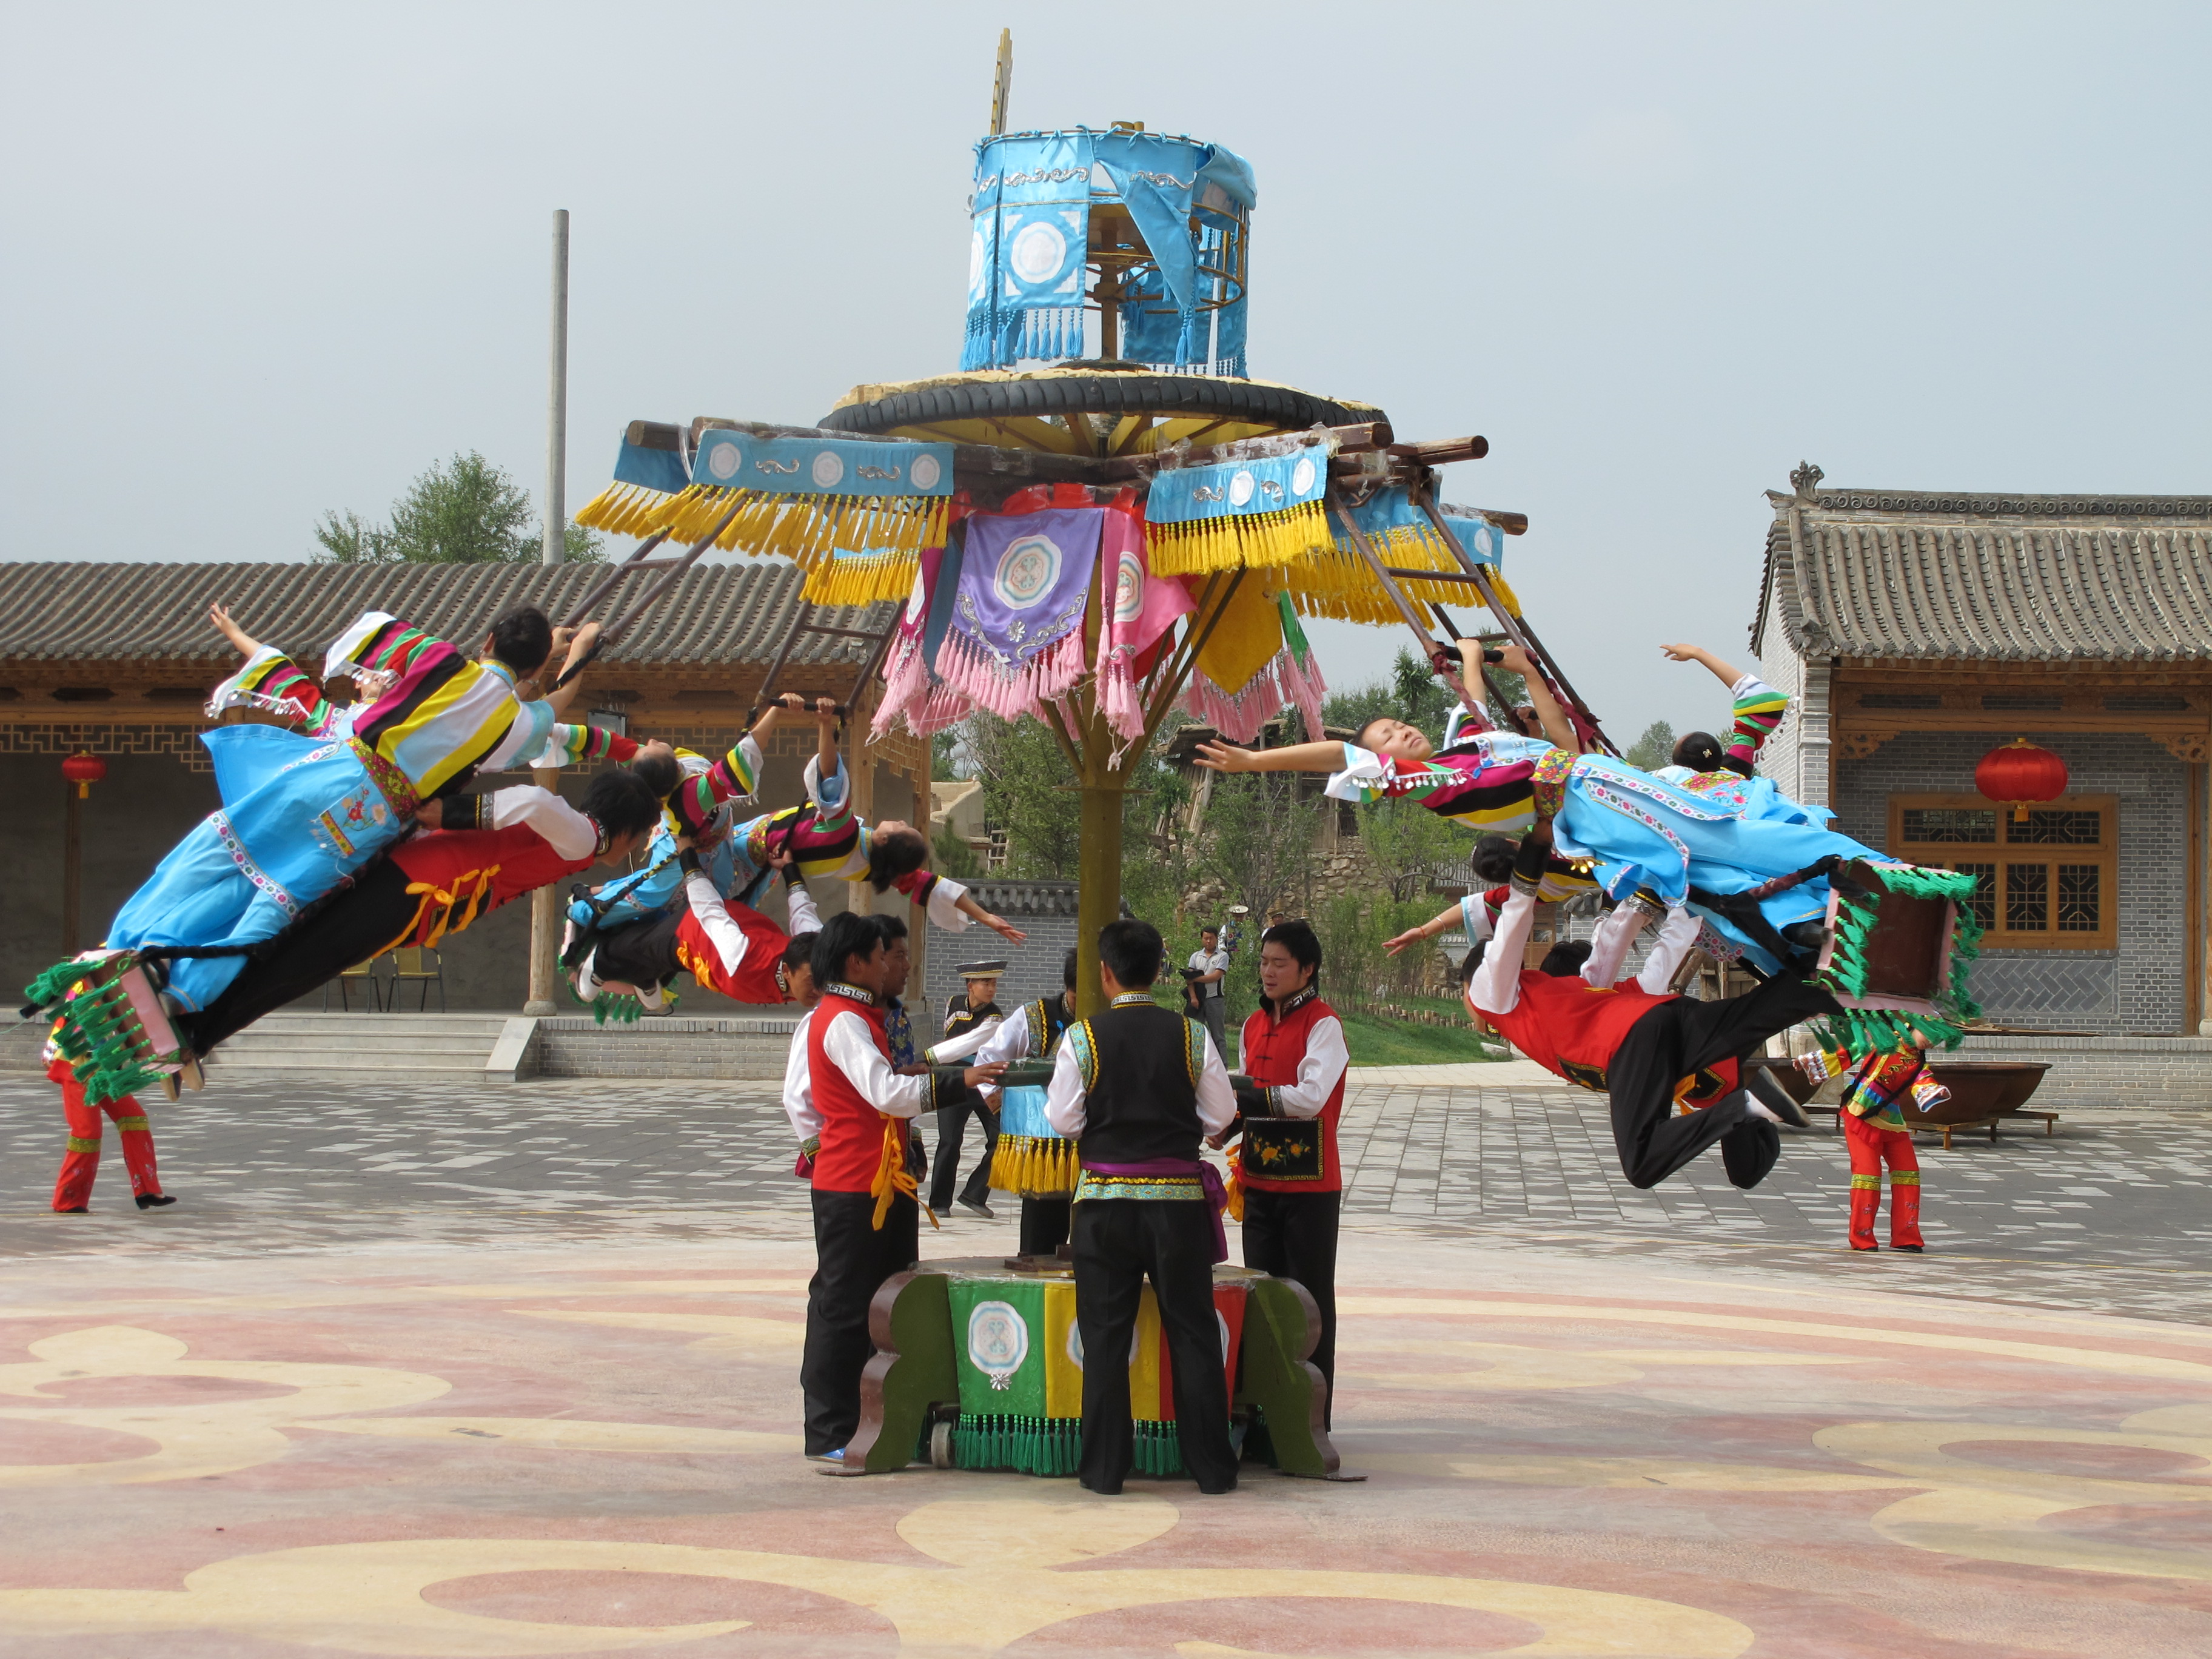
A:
(465, 511)
(954, 857)
(945, 756)
(1653, 749)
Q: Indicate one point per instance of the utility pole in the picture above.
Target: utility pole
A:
(545, 911)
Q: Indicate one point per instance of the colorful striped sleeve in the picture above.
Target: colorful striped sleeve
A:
(273, 683)
(736, 776)
(1758, 709)
(572, 745)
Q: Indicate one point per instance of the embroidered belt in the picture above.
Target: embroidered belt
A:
(398, 788)
(1550, 783)
(232, 844)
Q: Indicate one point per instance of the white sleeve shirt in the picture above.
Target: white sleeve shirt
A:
(944, 907)
(1323, 1064)
(799, 1085)
(1065, 1097)
(803, 918)
(967, 1042)
(1496, 988)
(1009, 1042)
(714, 921)
(561, 827)
(850, 1046)
(1676, 935)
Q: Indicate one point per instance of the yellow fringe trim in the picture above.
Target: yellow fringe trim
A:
(1201, 546)
(862, 579)
(806, 529)
(622, 510)
(1036, 1166)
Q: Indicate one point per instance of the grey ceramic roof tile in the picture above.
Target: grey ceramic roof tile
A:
(1902, 574)
(84, 610)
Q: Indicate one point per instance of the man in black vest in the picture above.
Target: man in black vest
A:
(1137, 1088)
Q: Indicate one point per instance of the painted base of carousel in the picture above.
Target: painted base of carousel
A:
(978, 1366)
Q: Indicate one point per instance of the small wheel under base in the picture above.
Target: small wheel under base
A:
(940, 1444)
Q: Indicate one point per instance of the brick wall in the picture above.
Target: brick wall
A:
(1045, 910)
(2140, 986)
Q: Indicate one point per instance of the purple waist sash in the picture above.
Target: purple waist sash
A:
(1185, 1169)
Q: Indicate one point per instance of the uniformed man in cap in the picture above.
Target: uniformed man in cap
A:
(972, 1014)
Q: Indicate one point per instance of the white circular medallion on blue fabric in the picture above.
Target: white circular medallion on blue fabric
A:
(1485, 542)
(997, 1341)
(978, 259)
(1027, 570)
(925, 472)
(723, 460)
(1129, 589)
(828, 471)
(1302, 476)
(1037, 253)
(1240, 488)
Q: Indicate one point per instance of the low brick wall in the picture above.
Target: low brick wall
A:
(753, 1049)
(2114, 1072)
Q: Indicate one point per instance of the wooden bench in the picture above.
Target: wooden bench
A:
(1946, 1130)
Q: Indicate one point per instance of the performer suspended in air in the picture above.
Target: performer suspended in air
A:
(480, 852)
(1633, 1040)
(822, 834)
(1137, 1089)
(1638, 830)
(299, 815)
(1293, 1050)
(866, 1218)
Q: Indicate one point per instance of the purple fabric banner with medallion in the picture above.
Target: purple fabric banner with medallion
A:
(1016, 640)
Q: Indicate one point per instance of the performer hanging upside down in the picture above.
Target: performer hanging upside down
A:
(1137, 1088)
(1700, 763)
(822, 834)
(1638, 830)
(866, 1217)
(300, 816)
(1293, 1049)
(500, 847)
(1636, 1042)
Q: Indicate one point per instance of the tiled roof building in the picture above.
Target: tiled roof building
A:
(1919, 629)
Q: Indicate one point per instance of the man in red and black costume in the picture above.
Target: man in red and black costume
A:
(487, 850)
(1293, 1050)
(1646, 1049)
(866, 1218)
(724, 945)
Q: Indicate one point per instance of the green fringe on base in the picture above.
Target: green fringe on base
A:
(1027, 1445)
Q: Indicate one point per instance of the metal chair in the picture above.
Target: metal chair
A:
(418, 964)
(363, 974)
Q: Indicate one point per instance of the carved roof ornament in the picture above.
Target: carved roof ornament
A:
(1805, 479)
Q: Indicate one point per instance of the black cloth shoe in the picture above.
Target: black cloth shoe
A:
(153, 1201)
(1915, 1249)
(79, 1210)
(1807, 936)
(983, 1210)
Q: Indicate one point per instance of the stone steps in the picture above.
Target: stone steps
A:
(750, 1049)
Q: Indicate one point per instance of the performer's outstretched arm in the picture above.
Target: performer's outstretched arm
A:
(1557, 726)
(1464, 913)
(270, 681)
(1758, 707)
(951, 906)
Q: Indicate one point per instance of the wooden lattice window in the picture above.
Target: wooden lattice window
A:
(2048, 880)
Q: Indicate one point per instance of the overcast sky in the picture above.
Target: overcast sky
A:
(264, 261)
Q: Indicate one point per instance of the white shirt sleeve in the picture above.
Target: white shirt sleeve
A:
(563, 828)
(714, 918)
(1497, 986)
(944, 907)
(1323, 1063)
(967, 1042)
(799, 1085)
(1615, 938)
(1676, 935)
(852, 1050)
(1216, 1101)
(1065, 1095)
(1474, 917)
(1365, 777)
(803, 918)
(1008, 1041)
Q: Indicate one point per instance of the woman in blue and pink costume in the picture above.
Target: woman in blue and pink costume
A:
(301, 814)
(1637, 830)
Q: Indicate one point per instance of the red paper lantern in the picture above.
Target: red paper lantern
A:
(2018, 774)
(85, 771)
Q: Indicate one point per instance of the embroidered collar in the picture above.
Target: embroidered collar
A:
(851, 992)
(599, 831)
(1131, 999)
(1295, 1003)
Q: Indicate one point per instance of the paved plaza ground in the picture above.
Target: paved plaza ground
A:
(488, 1371)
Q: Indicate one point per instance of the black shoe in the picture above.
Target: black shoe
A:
(1763, 1087)
(1216, 1492)
(81, 1209)
(1114, 1490)
(1915, 1249)
(1807, 936)
(983, 1210)
(153, 1201)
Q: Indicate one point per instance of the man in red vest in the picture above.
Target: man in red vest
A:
(1293, 1049)
(866, 1219)
(724, 945)
(1645, 1047)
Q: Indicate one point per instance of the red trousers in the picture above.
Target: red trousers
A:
(73, 1188)
(1872, 1146)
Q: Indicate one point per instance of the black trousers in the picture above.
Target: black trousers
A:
(1121, 1242)
(358, 922)
(643, 953)
(1673, 1041)
(1213, 1014)
(1293, 1236)
(1045, 1224)
(851, 1261)
(951, 1130)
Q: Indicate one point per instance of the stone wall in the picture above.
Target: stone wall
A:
(1045, 910)
(2141, 987)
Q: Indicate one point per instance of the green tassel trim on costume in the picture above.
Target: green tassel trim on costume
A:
(52, 987)
(623, 1010)
(1860, 1030)
(1027, 1445)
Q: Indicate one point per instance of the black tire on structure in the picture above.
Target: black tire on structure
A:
(1281, 407)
